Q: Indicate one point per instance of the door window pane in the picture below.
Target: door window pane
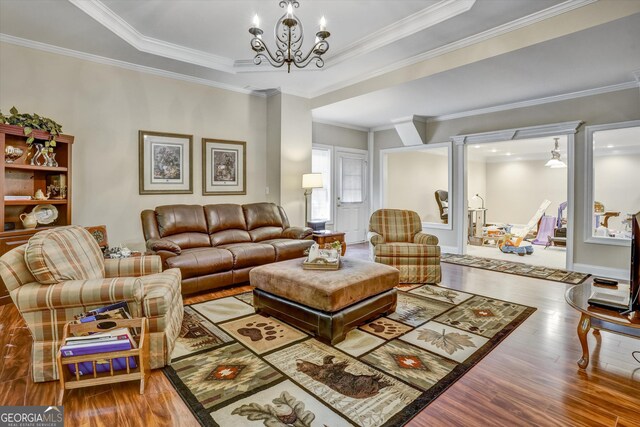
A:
(321, 197)
(353, 185)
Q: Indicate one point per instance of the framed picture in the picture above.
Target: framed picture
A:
(223, 167)
(165, 163)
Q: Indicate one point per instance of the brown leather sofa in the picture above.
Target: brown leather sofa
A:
(217, 245)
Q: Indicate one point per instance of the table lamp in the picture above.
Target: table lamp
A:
(477, 196)
(309, 182)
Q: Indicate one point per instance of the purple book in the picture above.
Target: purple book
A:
(122, 343)
(119, 364)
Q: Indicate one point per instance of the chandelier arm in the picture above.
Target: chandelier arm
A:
(278, 58)
(314, 51)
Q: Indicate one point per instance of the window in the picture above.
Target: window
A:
(321, 197)
(353, 174)
(613, 156)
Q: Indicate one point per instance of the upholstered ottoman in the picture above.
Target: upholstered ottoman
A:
(326, 303)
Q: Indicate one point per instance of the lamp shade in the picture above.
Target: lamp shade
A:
(555, 164)
(312, 180)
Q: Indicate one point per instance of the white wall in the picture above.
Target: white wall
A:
(516, 189)
(295, 154)
(477, 183)
(274, 135)
(617, 185)
(412, 179)
(339, 136)
(105, 106)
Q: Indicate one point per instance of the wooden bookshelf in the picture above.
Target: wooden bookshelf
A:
(69, 381)
(23, 179)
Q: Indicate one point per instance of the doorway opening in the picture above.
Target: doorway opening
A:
(517, 200)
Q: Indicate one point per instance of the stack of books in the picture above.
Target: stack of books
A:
(103, 342)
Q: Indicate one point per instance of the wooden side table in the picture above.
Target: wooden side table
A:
(327, 236)
(598, 319)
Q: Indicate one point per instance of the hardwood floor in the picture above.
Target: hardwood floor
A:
(531, 378)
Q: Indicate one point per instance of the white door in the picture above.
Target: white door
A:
(352, 195)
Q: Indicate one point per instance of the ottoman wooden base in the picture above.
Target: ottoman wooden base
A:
(327, 327)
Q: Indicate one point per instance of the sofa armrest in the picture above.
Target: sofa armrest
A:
(157, 245)
(133, 266)
(297, 233)
(425, 239)
(77, 293)
(375, 238)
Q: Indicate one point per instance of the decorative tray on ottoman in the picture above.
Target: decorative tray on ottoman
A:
(328, 259)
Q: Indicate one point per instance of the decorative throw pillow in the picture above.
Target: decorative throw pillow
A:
(64, 253)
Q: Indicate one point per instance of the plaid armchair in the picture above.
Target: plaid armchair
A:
(61, 272)
(396, 239)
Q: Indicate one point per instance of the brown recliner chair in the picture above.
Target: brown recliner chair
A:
(217, 245)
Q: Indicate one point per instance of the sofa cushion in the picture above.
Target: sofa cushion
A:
(250, 254)
(190, 240)
(64, 253)
(289, 248)
(265, 233)
(175, 219)
(262, 215)
(201, 261)
(226, 224)
(224, 217)
(407, 250)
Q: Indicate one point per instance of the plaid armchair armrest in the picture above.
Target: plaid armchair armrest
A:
(133, 267)
(77, 293)
(425, 239)
(297, 233)
(375, 238)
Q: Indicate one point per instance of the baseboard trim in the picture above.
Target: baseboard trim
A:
(613, 273)
(450, 250)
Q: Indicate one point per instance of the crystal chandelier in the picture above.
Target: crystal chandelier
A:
(289, 36)
(555, 161)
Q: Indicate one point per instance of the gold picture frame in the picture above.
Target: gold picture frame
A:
(224, 167)
(165, 163)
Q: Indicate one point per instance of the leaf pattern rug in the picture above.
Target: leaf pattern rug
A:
(517, 268)
(233, 367)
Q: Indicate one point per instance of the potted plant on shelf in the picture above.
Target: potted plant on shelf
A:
(29, 122)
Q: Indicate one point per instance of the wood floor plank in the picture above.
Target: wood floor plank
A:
(15, 364)
(12, 392)
(531, 378)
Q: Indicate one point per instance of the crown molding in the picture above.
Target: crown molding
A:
(341, 125)
(563, 128)
(122, 64)
(419, 21)
(109, 19)
(525, 21)
(538, 101)
(382, 127)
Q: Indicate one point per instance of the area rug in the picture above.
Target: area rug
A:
(236, 368)
(517, 268)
